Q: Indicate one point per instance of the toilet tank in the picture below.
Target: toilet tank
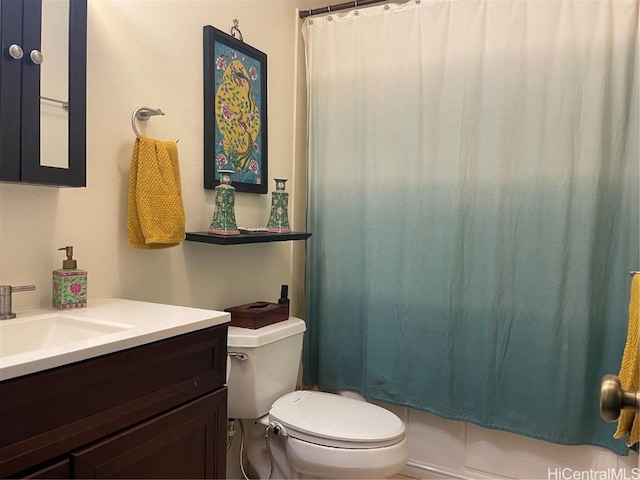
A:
(269, 368)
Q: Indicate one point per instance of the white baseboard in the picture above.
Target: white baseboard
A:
(423, 471)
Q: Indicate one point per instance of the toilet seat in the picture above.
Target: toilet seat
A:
(331, 420)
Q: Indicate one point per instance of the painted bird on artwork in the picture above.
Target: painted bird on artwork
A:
(237, 115)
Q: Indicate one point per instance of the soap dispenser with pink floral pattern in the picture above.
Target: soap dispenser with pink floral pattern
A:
(69, 284)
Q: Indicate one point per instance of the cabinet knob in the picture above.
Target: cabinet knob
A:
(36, 57)
(15, 51)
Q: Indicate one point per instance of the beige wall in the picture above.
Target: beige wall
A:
(149, 52)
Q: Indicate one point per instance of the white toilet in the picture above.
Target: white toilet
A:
(310, 434)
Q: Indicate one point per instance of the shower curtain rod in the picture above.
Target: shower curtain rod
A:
(339, 6)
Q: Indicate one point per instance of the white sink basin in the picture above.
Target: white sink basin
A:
(48, 331)
(44, 338)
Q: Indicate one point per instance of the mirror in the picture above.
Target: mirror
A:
(54, 84)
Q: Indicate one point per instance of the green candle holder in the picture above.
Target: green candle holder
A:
(224, 217)
(279, 218)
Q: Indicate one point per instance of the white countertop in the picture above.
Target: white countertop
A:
(121, 324)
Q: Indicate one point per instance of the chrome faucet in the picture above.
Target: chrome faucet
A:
(6, 311)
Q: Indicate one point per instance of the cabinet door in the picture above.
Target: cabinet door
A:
(186, 442)
(34, 167)
(30, 86)
(10, 68)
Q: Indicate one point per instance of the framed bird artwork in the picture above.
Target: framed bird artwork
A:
(235, 112)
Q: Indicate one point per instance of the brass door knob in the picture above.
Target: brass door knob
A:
(613, 399)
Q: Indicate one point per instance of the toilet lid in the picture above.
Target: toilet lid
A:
(332, 420)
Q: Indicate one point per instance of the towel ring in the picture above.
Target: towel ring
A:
(143, 114)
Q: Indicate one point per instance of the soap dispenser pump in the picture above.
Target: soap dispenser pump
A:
(69, 284)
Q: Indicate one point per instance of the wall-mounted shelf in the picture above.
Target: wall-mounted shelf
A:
(245, 237)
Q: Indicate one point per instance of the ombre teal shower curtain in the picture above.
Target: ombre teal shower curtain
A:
(473, 199)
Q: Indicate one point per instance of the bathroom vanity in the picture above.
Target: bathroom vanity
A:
(143, 398)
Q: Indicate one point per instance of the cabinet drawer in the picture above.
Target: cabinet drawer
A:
(47, 414)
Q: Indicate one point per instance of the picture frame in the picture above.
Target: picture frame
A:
(235, 112)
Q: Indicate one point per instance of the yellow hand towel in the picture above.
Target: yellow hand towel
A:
(629, 421)
(155, 215)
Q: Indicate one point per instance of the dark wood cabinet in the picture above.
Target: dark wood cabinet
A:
(56, 470)
(21, 97)
(153, 411)
(181, 443)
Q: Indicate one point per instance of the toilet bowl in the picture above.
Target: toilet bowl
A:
(309, 434)
(337, 437)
